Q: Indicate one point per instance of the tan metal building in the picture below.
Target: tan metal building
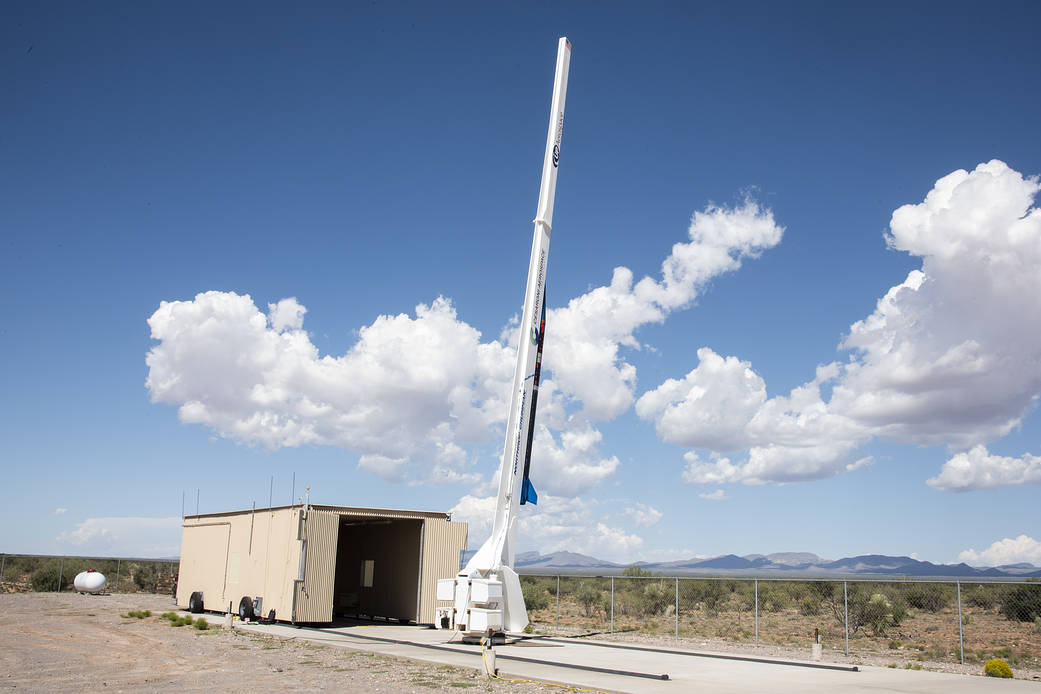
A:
(310, 564)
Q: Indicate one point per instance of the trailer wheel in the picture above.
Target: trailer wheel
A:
(195, 602)
(246, 608)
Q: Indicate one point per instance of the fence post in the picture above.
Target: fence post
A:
(961, 622)
(757, 613)
(556, 620)
(61, 573)
(117, 574)
(845, 607)
(677, 608)
(612, 604)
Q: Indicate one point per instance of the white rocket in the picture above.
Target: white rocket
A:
(486, 594)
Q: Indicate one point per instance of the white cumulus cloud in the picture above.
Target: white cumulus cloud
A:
(560, 523)
(585, 338)
(1007, 551)
(402, 396)
(417, 392)
(60, 511)
(710, 408)
(643, 516)
(950, 356)
(718, 495)
(721, 407)
(123, 536)
(574, 464)
(978, 469)
(287, 314)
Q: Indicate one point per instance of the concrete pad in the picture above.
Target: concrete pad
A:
(559, 662)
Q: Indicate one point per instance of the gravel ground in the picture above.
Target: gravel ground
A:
(53, 642)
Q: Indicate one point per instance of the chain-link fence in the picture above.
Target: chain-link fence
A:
(908, 620)
(23, 573)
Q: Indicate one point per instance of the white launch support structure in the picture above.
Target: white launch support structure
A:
(486, 594)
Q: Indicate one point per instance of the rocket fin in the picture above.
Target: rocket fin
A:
(528, 495)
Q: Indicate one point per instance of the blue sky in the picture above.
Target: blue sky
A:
(342, 165)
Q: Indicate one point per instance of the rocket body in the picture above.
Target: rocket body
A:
(497, 554)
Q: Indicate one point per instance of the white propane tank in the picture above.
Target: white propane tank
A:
(90, 581)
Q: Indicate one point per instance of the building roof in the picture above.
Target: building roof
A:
(342, 510)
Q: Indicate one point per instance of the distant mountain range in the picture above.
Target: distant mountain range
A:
(795, 564)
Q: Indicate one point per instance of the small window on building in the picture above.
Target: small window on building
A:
(367, 567)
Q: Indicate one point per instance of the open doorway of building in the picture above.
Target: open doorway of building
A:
(378, 568)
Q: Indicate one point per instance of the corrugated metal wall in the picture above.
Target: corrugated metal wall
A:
(443, 543)
(314, 595)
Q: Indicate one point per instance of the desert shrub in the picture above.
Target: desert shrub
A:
(656, 596)
(822, 590)
(46, 579)
(201, 624)
(636, 571)
(982, 596)
(773, 597)
(810, 606)
(146, 577)
(628, 603)
(591, 599)
(878, 614)
(137, 614)
(1022, 603)
(177, 620)
(796, 591)
(1007, 654)
(546, 583)
(715, 594)
(535, 596)
(710, 593)
(899, 609)
(569, 585)
(930, 597)
(831, 599)
(997, 668)
(15, 565)
(690, 594)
